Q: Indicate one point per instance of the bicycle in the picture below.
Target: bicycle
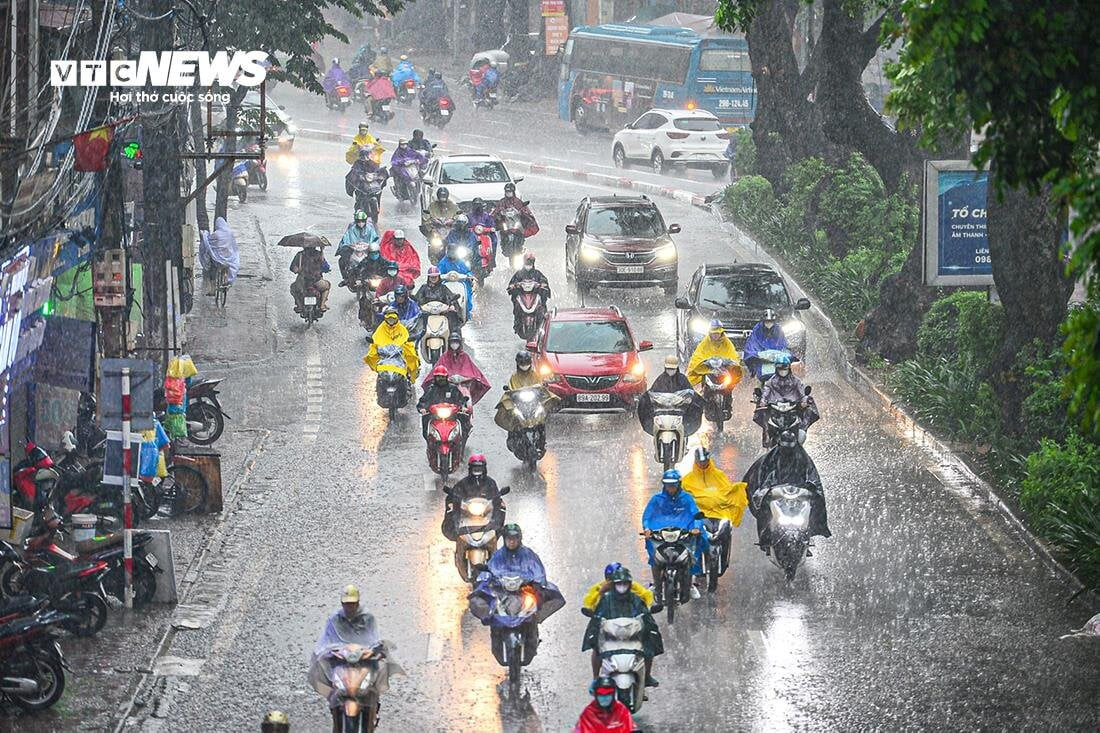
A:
(183, 490)
(221, 286)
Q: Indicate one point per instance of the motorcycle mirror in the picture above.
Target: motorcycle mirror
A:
(447, 491)
(531, 346)
(808, 390)
(505, 490)
(757, 392)
(526, 203)
(588, 612)
(673, 228)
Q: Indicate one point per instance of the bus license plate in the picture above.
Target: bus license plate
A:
(594, 397)
(630, 269)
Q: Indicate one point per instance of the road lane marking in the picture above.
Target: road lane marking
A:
(435, 648)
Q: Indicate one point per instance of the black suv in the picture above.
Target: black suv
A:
(620, 242)
(737, 295)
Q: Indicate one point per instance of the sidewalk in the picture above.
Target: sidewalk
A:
(108, 667)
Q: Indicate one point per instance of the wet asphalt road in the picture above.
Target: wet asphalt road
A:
(922, 612)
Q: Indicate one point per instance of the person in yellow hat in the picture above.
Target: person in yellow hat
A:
(276, 721)
(717, 343)
(363, 140)
(391, 332)
(716, 496)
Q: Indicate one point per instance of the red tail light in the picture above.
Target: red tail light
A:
(343, 91)
(677, 135)
(444, 103)
(410, 83)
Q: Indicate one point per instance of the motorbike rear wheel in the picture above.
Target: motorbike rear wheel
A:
(210, 419)
(49, 673)
(712, 573)
(88, 611)
(351, 725)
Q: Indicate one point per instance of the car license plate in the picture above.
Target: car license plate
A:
(309, 300)
(445, 112)
(630, 269)
(151, 559)
(594, 397)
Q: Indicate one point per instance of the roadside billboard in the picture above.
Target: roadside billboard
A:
(956, 241)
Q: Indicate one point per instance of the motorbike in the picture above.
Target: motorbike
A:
(370, 309)
(311, 309)
(71, 587)
(369, 197)
(392, 387)
(249, 172)
(788, 511)
(32, 665)
(339, 98)
(717, 559)
(437, 234)
(513, 604)
(511, 235)
(669, 441)
(672, 557)
(477, 539)
(620, 648)
(437, 329)
(80, 488)
(446, 439)
(522, 412)
(357, 253)
(483, 262)
(378, 110)
(406, 91)
(783, 421)
(440, 114)
(456, 283)
(355, 673)
(205, 416)
(34, 478)
(763, 364)
(718, 384)
(406, 181)
(488, 100)
(531, 299)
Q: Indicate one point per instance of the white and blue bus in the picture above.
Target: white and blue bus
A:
(612, 73)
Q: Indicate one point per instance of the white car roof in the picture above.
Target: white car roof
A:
(470, 156)
(682, 113)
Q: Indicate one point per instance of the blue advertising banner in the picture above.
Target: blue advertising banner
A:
(956, 240)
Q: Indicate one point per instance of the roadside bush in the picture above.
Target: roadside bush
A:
(1075, 528)
(850, 286)
(744, 160)
(963, 327)
(1058, 475)
(750, 200)
(956, 401)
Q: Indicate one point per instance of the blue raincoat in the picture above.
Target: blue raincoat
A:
(403, 72)
(679, 511)
(353, 234)
(763, 339)
(522, 562)
(448, 265)
(525, 564)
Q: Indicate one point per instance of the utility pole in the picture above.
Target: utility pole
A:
(161, 172)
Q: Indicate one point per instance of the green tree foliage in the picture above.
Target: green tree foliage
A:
(1028, 76)
(964, 327)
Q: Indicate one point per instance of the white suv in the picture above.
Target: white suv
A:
(673, 137)
(466, 177)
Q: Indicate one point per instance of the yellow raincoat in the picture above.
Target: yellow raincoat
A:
(592, 597)
(705, 350)
(397, 334)
(363, 141)
(714, 493)
(519, 379)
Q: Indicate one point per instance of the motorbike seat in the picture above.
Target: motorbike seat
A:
(20, 605)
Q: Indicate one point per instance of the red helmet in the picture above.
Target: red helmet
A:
(477, 465)
(440, 371)
(476, 458)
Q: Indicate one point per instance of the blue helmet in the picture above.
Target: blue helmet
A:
(783, 359)
(670, 477)
(400, 289)
(610, 569)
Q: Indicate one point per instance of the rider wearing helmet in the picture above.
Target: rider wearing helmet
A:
(592, 597)
(673, 507)
(420, 143)
(382, 61)
(438, 391)
(766, 336)
(784, 386)
(396, 248)
(441, 208)
(374, 265)
(275, 721)
(361, 229)
(334, 77)
(362, 139)
(622, 601)
(476, 484)
(356, 182)
(671, 379)
(512, 201)
(527, 272)
(605, 712)
(433, 290)
(716, 344)
(525, 374)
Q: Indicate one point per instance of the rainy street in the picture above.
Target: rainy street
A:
(923, 611)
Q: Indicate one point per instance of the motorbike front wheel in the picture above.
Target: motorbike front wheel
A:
(45, 669)
(671, 595)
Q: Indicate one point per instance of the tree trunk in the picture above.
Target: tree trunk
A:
(1025, 249)
(225, 176)
(199, 143)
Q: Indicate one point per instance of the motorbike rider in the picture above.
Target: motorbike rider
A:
(453, 262)
(442, 208)
(383, 62)
(360, 230)
(438, 389)
(309, 265)
(527, 272)
(276, 721)
(404, 154)
(460, 366)
(335, 77)
(390, 281)
(512, 201)
(479, 214)
(350, 625)
(405, 71)
(363, 139)
(484, 79)
(671, 379)
(355, 182)
(406, 307)
(391, 332)
(592, 597)
(705, 476)
(420, 144)
(476, 484)
(605, 714)
(524, 375)
(717, 343)
(623, 602)
(673, 507)
(374, 265)
(380, 89)
(784, 386)
(767, 335)
(434, 90)
(435, 290)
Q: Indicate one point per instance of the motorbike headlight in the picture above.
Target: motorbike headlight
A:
(478, 508)
(590, 254)
(462, 252)
(793, 327)
(436, 241)
(667, 253)
(530, 603)
(525, 396)
(444, 413)
(699, 326)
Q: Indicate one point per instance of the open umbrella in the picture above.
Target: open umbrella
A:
(304, 239)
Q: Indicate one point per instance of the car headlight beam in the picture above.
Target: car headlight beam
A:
(699, 326)
(667, 253)
(590, 254)
(793, 327)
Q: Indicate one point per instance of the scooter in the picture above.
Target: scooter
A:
(440, 115)
(512, 235)
(355, 672)
(32, 665)
(620, 648)
(477, 540)
(718, 384)
(311, 310)
(369, 198)
(379, 110)
(437, 329)
(406, 91)
(34, 477)
(717, 560)
(392, 387)
(437, 235)
(339, 98)
(525, 421)
(672, 558)
(446, 439)
(788, 524)
(530, 296)
(483, 262)
(456, 283)
(205, 416)
(513, 604)
(406, 181)
(669, 442)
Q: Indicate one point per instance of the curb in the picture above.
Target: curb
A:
(839, 353)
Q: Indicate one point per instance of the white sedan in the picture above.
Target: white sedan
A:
(666, 138)
(466, 177)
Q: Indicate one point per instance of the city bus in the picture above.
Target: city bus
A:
(612, 73)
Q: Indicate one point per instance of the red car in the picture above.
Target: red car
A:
(588, 357)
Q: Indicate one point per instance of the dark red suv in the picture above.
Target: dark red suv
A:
(589, 358)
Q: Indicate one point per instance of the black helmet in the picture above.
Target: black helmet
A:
(509, 188)
(523, 359)
(417, 134)
(622, 575)
(454, 337)
(512, 530)
(442, 194)
(478, 203)
(604, 690)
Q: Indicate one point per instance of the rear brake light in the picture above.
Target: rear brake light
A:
(444, 102)
(410, 83)
(677, 135)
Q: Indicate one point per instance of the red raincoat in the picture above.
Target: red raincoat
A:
(380, 87)
(408, 261)
(460, 363)
(595, 720)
